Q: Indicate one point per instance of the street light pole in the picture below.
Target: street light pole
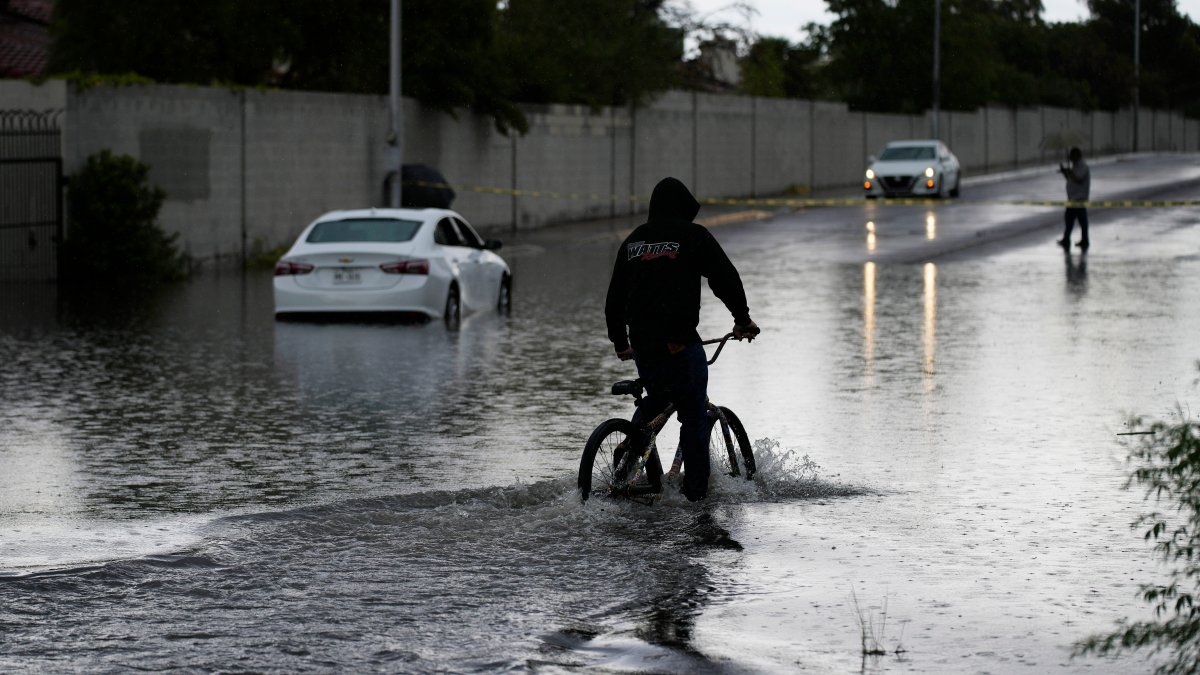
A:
(937, 64)
(396, 103)
(1137, 57)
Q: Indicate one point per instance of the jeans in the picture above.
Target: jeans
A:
(681, 379)
(1069, 218)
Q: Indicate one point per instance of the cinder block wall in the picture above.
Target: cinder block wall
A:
(247, 168)
(191, 138)
(783, 157)
(307, 153)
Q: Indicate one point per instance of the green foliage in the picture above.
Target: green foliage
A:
(450, 60)
(596, 53)
(485, 56)
(263, 258)
(113, 236)
(1170, 51)
(478, 56)
(85, 81)
(1167, 466)
(878, 55)
(773, 67)
(448, 56)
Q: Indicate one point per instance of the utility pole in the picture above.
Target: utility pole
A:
(396, 103)
(937, 63)
(1137, 57)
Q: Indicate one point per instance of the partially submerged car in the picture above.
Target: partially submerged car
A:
(425, 262)
(924, 168)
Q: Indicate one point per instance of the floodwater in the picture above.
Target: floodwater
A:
(188, 484)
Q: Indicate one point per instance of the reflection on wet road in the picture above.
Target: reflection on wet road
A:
(189, 484)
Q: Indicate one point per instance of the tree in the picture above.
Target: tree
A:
(449, 59)
(774, 67)
(113, 235)
(1170, 51)
(880, 54)
(1001, 52)
(593, 52)
(1166, 465)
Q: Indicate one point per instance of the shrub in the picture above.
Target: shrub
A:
(263, 258)
(1166, 461)
(113, 235)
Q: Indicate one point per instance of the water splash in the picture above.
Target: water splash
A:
(783, 474)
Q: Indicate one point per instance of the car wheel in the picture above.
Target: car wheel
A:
(504, 302)
(453, 311)
(957, 183)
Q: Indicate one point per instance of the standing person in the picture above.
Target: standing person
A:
(1079, 187)
(655, 293)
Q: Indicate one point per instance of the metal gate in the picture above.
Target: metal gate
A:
(31, 187)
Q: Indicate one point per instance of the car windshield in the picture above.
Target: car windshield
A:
(903, 152)
(363, 229)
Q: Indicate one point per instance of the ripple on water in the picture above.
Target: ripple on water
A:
(484, 569)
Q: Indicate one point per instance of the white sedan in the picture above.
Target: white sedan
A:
(427, 262)
(913, 169)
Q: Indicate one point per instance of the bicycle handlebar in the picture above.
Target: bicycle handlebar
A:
(720, 342)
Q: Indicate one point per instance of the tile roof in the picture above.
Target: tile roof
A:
(24, 37)
(34, 10)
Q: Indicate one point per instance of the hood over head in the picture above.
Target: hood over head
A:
(671, 200)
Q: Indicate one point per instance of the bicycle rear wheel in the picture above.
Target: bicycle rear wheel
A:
(728, 444)
(610, 469)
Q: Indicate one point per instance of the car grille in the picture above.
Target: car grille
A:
(898, 182)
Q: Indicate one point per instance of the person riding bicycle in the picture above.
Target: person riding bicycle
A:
(655, 293)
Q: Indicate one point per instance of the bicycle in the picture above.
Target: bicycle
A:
(609, 469)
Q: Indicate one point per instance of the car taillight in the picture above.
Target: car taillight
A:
(406, 267)
(285, 268)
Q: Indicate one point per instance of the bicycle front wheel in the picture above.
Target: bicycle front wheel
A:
(728, 444)
(611, 465)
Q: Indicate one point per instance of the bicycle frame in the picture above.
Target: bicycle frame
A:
(652, 429)
(656, 425)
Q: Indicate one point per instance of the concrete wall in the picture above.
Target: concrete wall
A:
(241, 167)
(1000, 128)
(783, 155)
(237, 166)
(23, 95)
(664, 140)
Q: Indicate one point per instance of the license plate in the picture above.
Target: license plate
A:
(347, 276)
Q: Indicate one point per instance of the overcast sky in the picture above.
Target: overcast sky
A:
(783, 18)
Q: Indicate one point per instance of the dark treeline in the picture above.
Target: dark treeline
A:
(457, 54)
(485, 56)
(878, 55)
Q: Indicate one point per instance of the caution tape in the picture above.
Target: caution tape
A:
(806, 201)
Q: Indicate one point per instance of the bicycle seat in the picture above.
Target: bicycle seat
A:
(631, 387)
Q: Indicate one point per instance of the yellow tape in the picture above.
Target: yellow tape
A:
(789, 201)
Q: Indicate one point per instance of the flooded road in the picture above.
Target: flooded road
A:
(189, 484)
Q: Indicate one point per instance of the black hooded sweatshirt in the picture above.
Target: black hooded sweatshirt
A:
(655, 287)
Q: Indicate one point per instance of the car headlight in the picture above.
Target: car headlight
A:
(929, 172)
(870, 174)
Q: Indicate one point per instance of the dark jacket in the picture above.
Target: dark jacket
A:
(655, 287)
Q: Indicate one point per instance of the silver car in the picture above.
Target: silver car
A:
(913, 169)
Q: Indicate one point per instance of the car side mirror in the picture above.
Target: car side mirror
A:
(870, 159)
(492, 245)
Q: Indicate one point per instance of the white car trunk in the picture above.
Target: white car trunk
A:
(351, 268)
